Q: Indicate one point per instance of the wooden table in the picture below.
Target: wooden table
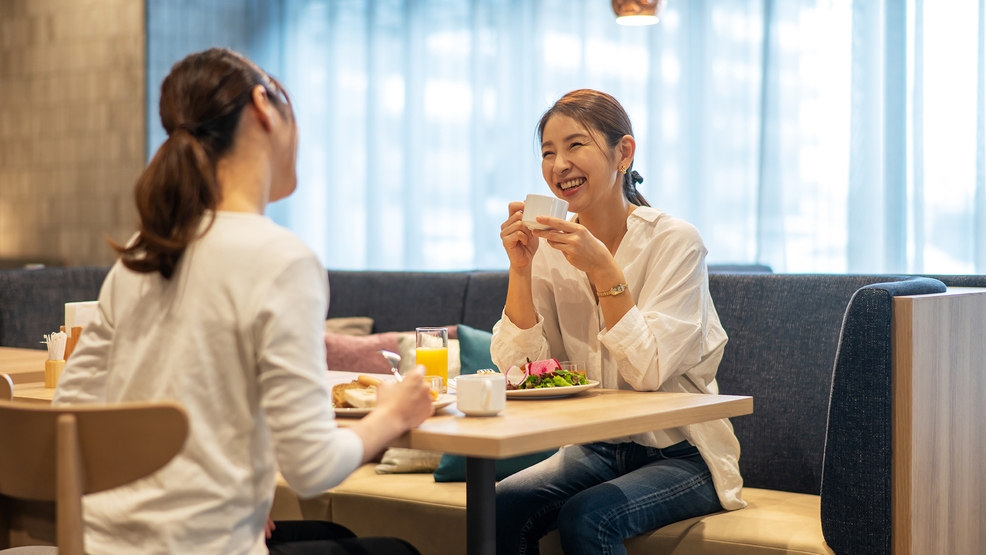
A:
(33, 392)
(23, 365)
(525, 426)
(528, 426)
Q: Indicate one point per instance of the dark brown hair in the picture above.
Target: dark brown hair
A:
(600, 113)
(201, 102)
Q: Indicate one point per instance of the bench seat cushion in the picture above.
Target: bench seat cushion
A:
(773, 523)
(432, 517)
(288, 506)
(413, 507)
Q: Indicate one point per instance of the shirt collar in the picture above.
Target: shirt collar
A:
(646, 213)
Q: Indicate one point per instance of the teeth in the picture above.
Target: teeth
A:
(572, 183)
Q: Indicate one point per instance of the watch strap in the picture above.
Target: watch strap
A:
(616, 290)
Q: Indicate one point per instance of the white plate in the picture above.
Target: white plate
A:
(549, 392)
(442, 402)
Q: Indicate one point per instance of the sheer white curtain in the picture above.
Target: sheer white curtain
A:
(812, 135)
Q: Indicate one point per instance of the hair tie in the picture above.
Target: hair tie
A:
(635, 178)
(191, 129)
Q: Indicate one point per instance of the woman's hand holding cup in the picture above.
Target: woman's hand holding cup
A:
(517, 238)
(516, 233)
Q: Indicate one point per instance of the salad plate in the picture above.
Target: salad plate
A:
(550, 392)
(440, 403)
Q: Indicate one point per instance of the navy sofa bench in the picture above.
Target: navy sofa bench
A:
(814, 351)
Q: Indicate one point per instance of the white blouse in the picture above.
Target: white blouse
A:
(671, 340)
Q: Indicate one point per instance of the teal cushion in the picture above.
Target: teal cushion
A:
(452, 468)
(474, 349)
(474, 353)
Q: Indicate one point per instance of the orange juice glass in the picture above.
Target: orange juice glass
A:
(432, 352)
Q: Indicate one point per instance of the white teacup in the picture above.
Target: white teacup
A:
(542, 205)
(481, 394)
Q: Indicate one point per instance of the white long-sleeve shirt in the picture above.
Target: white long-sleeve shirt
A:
(671, 340)
(236, 337)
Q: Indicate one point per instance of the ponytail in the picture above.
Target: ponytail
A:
(630, 181)
(201, 102)
(172, 194)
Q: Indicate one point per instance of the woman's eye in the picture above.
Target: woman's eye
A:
(574, 145)
(546, 153)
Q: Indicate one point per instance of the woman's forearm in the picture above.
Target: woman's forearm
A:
(520, 299)
(614, 307)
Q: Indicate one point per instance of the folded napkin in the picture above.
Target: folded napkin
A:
(398, 460)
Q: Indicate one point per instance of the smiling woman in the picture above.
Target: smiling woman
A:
(624, 287)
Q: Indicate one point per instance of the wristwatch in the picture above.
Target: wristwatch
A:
(616, 290)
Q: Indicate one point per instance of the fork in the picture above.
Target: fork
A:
(394, 359)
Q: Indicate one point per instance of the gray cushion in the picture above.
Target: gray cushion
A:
(856, 488)
(485, 297)
(961, 281)
(32, 302)
(783, 333)
(740, 269)
(398, 301)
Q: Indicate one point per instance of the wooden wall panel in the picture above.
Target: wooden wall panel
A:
(939, 475)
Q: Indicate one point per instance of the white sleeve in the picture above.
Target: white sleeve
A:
(83, 380)
(513, 346)
(663, 335)
(312, 452)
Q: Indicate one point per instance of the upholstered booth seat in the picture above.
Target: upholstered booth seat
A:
(814, 351)
(432, 516)
(773, 523)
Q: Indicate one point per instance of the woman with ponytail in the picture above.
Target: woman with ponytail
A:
(216, 307)
(624, 288)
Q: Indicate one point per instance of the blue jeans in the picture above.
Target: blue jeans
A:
(600, 494)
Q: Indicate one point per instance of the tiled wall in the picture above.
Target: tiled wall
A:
(72, 126)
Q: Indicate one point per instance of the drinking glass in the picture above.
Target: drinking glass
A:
(432, 352)
(434, 384)
(573, 366)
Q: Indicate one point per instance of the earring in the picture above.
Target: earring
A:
(623, 170)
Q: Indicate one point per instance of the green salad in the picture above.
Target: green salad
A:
(555, 378)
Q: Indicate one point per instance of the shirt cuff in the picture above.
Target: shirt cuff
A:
(528, 340)
(625, 336)
(342, 454)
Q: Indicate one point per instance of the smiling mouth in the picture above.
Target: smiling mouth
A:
(571, 184)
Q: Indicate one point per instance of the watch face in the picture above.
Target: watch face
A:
(616, 290)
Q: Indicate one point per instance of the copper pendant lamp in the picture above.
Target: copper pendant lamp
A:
(638, 12)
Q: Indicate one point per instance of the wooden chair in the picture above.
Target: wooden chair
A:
(6, 388)
(62, 453)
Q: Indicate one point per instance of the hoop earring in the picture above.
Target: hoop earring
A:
(623, 170)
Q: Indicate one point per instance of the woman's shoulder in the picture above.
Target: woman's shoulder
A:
(260, 229)
(253, 237)
(654, 221)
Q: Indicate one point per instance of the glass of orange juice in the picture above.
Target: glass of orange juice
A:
(432, 352)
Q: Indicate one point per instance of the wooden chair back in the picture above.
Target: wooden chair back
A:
(6, 388)
(62, 453)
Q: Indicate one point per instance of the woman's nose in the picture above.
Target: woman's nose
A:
(561, 165)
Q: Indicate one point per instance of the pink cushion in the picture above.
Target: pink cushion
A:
(355, 353)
